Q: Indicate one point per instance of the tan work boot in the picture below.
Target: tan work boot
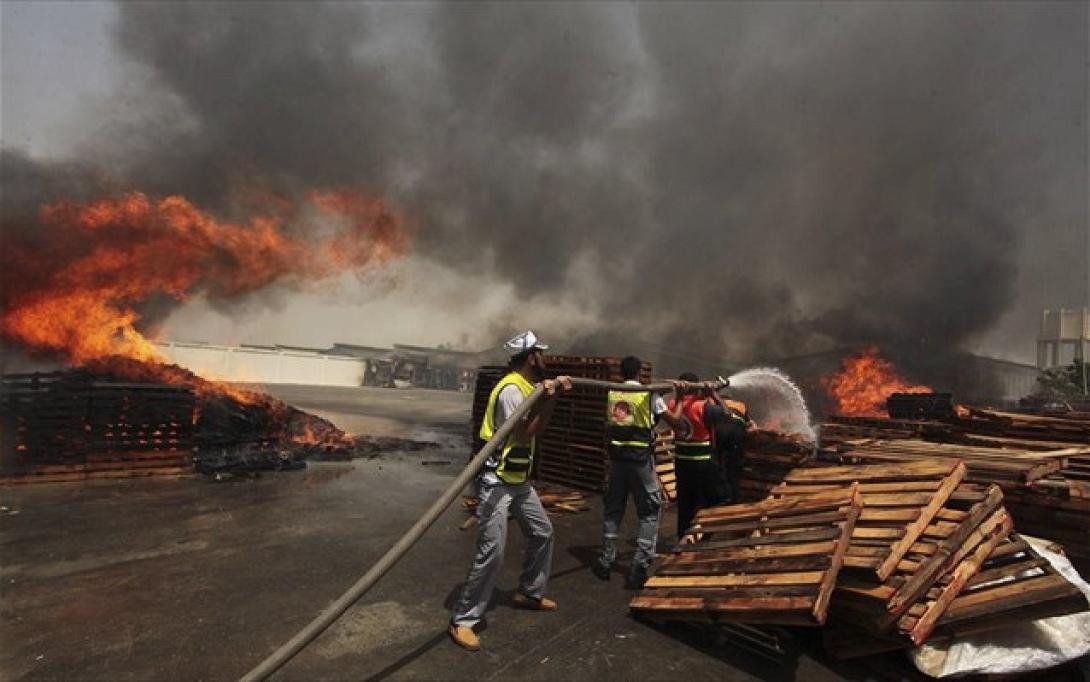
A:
(524, 602)
(465, 637)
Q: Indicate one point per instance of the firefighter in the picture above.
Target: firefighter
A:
(728, 421)
(503, 488)
(700, 480)
(631, 418)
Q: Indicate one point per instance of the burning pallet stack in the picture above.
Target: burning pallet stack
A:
(74, 426)
(572, 450)
(121, 418)
(891, 554)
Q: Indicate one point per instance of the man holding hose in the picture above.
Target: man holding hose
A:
(504, 488)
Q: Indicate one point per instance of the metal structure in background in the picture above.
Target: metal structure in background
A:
(1062, 330)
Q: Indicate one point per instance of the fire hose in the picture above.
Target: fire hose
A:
(334, 611)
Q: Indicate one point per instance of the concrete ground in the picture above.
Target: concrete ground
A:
(191, 579)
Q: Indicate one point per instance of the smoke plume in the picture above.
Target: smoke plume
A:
(754, 179)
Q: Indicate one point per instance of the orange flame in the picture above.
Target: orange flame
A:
(864, 383)
(83, 296)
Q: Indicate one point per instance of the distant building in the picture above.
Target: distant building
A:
(1064, 337)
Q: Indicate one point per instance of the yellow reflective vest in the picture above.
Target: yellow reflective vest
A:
(631, 429)
(516, 457)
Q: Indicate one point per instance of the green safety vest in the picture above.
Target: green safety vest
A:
(631, 430)
(515, 458)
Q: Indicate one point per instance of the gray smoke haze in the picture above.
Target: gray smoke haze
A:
(761, 179)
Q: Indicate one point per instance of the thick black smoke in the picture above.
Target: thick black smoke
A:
(756, 179)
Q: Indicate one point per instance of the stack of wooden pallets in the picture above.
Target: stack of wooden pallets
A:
(1039, 462)
(769, 455)
(901, 500)
(930, 575)
(71, 426)
(774, 561)
(986, 465)
(929, 556)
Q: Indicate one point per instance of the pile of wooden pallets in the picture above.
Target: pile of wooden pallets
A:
(775, 561)
(1039, 462)
(927, 556)
(72, 426)
(920, 405)
(769, 455)
(986, 465)
(901, 500)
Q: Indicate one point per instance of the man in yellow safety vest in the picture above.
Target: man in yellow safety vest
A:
(631, 418)
(503, 488)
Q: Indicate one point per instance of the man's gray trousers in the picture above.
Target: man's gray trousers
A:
(495, 502)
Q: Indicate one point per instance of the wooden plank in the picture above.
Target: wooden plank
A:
(916, 527)
(761, 552)
(790, 537)
(802, 578)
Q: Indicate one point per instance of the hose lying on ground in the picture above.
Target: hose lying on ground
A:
(334, 611)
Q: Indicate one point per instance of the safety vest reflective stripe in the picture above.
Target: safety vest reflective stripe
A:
(630, 443)
(517, 456)
(690, 450)
(630, 434)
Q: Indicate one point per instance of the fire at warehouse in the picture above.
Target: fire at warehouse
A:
(311, 312)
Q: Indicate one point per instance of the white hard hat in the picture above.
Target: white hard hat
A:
(525, 341)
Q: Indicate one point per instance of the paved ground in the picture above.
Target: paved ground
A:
(189, 579)
(416, 413)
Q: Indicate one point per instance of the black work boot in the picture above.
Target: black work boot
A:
(600, 571)
(635, 578)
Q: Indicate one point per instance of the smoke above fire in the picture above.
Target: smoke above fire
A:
(736, 179)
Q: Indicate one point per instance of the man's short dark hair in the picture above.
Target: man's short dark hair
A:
(688, 376)
(519, 359)
(630, 367)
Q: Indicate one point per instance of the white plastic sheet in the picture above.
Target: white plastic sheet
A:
(1023, 647)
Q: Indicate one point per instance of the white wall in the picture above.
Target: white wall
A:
(232, 363)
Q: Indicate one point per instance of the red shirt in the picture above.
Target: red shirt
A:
(692, 412)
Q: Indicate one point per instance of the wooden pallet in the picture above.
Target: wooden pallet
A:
(73, 426)
(118, 465)
(985, 465)
(664, 466)
(774, 561)
(901, 501)
(1015, 583)
(769, 456)
(931, 574)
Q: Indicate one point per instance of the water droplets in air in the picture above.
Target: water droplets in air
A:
(773, 400)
